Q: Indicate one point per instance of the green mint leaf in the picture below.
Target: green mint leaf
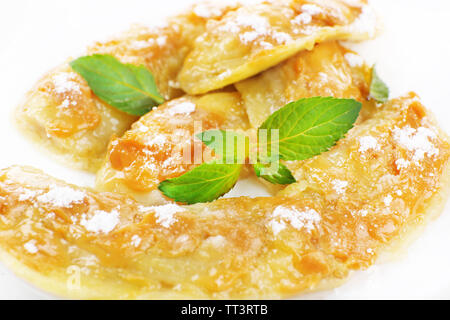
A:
(129, 88)
(308, 127)
(378, 89)
(231, 147)
(204, 183)
(281, 176)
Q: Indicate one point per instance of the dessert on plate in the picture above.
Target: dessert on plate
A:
(352, 173)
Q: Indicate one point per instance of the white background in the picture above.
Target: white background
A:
(413, 53)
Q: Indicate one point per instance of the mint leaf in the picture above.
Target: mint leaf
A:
(204, 183)
(231, 147)
(304, 129)
(378, 89)
(129, 88)
(280, 176)
(309, 127)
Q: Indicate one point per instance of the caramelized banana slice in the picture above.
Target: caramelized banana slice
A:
(375, 187)
(256, 37)
(62, 113)
(323, 71)
(161, 144)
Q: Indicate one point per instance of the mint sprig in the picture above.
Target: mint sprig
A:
(129, 88)
(204, 183)
(304, 129)
(378, 89)
(309, 127)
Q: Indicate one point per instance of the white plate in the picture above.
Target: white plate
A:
(412, 54)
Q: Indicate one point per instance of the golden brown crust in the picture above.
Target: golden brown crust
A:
(256, 37)
(313, 232)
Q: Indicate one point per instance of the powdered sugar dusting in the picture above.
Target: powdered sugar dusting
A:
(368, 143)
(101, 221)
(64, 83)
(312, 9)
(282, 216)
(161, 41)
(303, 18)
(354, 60)
(165, 215)
(217, 241)
(253, 28)
(419, 141)
(402, 164)
(388, 200)
(159, 139)
(308, 11)
(141, 44)
(363, 212)
(366, 23)
(136, 241)
(207, 10)
(142, 128)
(339, 186)
(248, 37)
(182, 108)
(257, 23)
(281, 37)
(28, 195)
(64, 197)
(30, 246)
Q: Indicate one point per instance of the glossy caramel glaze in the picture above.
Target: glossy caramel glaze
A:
(311, 234)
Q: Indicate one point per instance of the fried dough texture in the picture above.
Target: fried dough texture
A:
(62, 114)
(387, 176)
(256, 37)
